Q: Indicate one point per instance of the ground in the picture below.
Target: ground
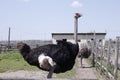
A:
(86, 73)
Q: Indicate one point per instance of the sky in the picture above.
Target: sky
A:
(37, 19)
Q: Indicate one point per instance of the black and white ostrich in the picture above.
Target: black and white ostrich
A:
(55, 58)
(84, 52)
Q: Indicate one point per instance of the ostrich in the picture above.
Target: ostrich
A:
(84, 51)
(54, 58)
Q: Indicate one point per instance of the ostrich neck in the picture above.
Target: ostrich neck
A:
(24, 52)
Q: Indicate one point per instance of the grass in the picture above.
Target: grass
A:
(13, 61)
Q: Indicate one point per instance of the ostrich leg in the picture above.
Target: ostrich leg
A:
(51, 72)
(81, 61)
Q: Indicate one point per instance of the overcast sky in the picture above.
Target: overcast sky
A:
(37, 19)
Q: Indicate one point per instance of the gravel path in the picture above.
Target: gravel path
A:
(23, 75)
(86, 73)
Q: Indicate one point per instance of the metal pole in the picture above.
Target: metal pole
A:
(9, 39)
(77, 15)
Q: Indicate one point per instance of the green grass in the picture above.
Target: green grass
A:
(13, 61)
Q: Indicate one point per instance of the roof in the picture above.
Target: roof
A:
(78, 34)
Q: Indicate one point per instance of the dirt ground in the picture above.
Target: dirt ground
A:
(86, 73)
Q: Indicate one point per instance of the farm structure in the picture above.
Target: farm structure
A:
(82, 37)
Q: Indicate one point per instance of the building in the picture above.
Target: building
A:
(81, 36)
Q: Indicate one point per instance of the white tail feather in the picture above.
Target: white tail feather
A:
(45, 61)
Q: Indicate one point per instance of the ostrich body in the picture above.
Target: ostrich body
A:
(55, 58)
(84, 53)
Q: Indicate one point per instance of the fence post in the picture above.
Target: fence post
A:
(93, 55)
(101, 55)
(108, 58)
(116, 58)
(0, 48)
(93, 49)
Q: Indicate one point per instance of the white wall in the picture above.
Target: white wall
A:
(80, 37)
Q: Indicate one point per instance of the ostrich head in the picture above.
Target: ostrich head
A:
(23, 48)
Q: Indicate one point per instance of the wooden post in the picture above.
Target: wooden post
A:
(94, 49)
(101, 55)
(108, 57)
(77, 15)
(116, 58)
(0, 48)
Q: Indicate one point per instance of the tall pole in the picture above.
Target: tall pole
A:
(77, 15)
(9, 39)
